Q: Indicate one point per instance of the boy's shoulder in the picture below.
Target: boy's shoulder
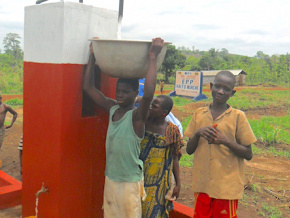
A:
(238, 111)
(3, 105)
(201, 110)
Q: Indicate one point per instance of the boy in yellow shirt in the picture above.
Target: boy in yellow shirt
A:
(220, 138)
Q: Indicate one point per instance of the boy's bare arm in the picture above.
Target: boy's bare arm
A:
(13, 112)
(240, 150)
(89, 86)
(140, 114)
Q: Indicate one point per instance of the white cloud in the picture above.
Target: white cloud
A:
(243, 27)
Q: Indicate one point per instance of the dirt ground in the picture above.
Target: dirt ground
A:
(267, 175)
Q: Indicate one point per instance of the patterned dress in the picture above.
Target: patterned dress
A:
(158, 166)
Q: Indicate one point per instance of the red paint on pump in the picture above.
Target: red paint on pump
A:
(181, 211)
(10, 191)
(62, 149)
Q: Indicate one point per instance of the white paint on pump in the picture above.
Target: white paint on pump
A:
(60, 32)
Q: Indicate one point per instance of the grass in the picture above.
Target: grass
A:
(271, 211)
(15, 101)
(251, 99)
(185, 121)
(271, 150)
(180, 101)
(271, 130)
(186, 160)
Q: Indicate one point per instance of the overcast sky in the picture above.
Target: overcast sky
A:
(241, 26)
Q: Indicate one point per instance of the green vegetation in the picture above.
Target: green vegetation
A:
(180, 101)
(271, 130)
(11, 66)
(260, 69)
(253, 98)
(173, 59)
(271, 212)
(185, 122)
(186, 160)
(15, 101)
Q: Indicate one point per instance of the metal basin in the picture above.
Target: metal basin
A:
(124, 58)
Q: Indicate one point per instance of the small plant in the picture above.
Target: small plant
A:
(271, 137)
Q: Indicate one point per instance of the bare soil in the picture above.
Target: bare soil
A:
(267, 175)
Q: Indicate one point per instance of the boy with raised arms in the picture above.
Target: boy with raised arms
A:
(124, 170)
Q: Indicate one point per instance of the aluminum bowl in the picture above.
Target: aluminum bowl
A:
(124, 58)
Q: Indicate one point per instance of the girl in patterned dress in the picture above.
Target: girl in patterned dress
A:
(160, 152)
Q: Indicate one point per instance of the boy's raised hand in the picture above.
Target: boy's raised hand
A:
(156, 47)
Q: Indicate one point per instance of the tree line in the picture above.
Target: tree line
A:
(261, 68)
(11, 65)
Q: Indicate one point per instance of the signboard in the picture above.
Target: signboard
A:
(188, 83)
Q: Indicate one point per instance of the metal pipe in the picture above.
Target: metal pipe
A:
(121, 6)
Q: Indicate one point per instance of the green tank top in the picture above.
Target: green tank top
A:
(123, 150)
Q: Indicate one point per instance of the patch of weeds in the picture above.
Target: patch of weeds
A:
(255, 199)
(180, 101)
(256, 188)
(256, 150)
(245, 199)
(271, 211)
(272, 129)
(186, 160)
(271, 137)
(261, 213)
(15, 101)
(282, 153)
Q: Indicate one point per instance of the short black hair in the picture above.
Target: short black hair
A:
(227, 74)
(167, 103)
(133, 83)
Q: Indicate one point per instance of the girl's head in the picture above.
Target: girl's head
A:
(126, 91)
(161, 106)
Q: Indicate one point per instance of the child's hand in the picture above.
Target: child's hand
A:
(91, 45)
(209, 133)
(91, 48)
(156, 47)
(175, 193)
(221, 139)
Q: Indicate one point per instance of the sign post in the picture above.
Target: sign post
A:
(188, 84)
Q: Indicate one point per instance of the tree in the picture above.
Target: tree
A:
(206, 62)
(11, 45)
(173, 59)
